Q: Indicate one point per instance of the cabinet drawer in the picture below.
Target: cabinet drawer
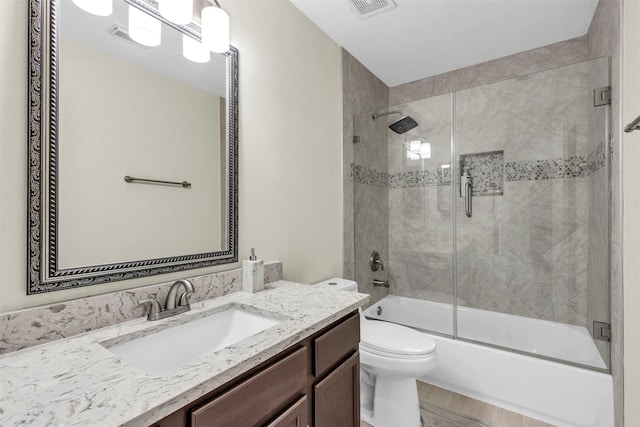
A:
(334, 345)
(257, 398)
(294, 416)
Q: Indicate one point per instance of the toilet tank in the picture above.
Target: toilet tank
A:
(338, 283)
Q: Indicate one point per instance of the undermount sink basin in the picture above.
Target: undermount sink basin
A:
(174, 347)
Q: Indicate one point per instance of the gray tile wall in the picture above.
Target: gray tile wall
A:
(603, 39)
(531, 61)
(524, 252)
(363, 92)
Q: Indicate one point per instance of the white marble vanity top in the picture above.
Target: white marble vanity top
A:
(78, 382)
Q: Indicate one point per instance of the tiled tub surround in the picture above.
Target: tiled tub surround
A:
(371, 202)
(25, 328)
(77, 381)
(530, 245)
(362, 91)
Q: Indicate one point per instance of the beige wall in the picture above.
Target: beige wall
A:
(631, 177)
(290, 148)
(126, 127)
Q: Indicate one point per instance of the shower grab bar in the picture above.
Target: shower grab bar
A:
(183, 184)
(468, 205)
(634, 125)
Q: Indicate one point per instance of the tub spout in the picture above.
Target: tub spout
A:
(384, 283)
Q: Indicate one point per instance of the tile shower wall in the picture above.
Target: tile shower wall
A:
(420, 205)
(362, 91)
(528, 246)
(603, 38)
(371, 202)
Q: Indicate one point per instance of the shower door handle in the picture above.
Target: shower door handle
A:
(468, 206)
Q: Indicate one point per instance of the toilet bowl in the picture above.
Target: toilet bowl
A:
(391, 358)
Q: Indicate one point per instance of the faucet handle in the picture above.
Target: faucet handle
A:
(183, 299)
(155, 309)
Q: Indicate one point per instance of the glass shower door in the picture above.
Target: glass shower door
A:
(532, 214)
(404, 210)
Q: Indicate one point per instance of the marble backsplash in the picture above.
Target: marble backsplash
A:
(28, 327)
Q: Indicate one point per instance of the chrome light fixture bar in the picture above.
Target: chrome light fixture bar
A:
(144, 28)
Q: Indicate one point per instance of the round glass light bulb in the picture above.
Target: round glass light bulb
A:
(195, 51)
(177, 11)
(215, 29)
(96, 7)
(144, 28)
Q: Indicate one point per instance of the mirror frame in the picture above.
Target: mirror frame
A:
(43, 274)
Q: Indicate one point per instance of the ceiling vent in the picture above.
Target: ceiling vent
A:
(368, 8)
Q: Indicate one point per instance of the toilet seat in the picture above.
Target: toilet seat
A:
(394, 341)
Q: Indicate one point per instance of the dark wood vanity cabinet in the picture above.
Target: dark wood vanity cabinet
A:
(315, 382)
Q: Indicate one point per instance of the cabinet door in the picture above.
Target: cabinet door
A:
(294, 416)
(337, 397)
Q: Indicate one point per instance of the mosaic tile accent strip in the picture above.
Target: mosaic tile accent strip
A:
(597, 158)
(486, 171)
(423, 178)
(533, 170)
(363, 175)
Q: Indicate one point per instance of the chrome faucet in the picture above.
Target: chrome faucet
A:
(176, 303)
(182, 299)
(384, 283)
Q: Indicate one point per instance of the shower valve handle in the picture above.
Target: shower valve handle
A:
(375, 262)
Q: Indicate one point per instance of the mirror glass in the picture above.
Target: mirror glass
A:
(117, 116)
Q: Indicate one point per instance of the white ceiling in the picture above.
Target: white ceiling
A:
(423, 38)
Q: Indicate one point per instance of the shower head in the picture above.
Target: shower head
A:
(406, 123)
(403, 125)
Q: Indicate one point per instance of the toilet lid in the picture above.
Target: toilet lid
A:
(394, 339)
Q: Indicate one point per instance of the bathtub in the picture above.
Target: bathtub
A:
(554, 392)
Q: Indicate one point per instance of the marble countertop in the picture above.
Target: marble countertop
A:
(79, 382)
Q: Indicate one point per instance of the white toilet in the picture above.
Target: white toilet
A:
(391, 358)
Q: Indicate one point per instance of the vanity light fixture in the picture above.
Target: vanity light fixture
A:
(144, 28)
(418, 149)
(177, 11)
(96, 7)
(195, 51)
(215, 28)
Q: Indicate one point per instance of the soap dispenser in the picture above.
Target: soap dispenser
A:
(253, 273)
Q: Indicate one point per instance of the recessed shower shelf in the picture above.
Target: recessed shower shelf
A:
(486, 171)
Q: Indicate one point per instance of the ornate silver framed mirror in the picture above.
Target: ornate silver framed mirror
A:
(113, 124)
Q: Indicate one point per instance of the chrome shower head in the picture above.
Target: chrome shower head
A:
(406, 123)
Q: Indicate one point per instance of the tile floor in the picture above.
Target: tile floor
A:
(444, 408)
